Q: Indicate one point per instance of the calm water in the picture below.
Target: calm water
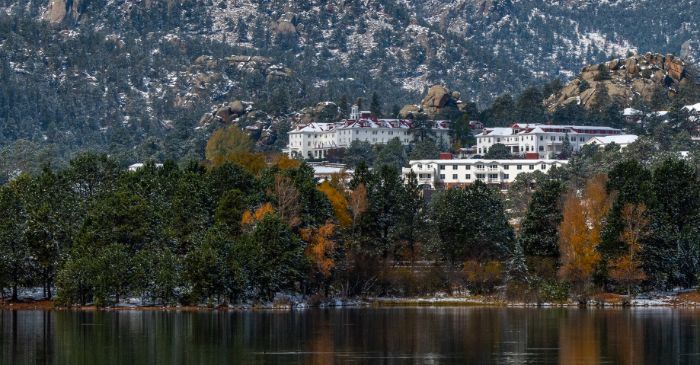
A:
(354, 336)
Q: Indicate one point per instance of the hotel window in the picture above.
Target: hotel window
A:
(479, 167)
(493, 167)
(541, 138)
(506, 176)
(454, 167)
(480, 176)
(493, 176)
(551, 138)
(442, 177)
(541, 148)
(468, 167)
(532, 167)
(506, 167)
(519, 167)
(581, 139)
(544, 167)
(467, 176)
(442, 167)
(454, 176)
(420, 166)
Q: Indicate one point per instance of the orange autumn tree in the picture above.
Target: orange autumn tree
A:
(338, 202)
(627, 269)
(579, 232)
(253, 217)
(320, 248)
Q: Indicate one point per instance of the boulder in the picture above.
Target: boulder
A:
(237, 107)
(285, 28)
(631, 66)
(436, 98)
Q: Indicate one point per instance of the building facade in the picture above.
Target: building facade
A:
(539, 141)
(451, 173)
(316, 140)
(622, 140)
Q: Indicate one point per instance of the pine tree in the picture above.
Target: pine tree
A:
(376, 106)
(539, 233)
(516, 269)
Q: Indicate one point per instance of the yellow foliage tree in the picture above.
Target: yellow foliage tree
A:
(251, 218)
(320, 248)
(627, 269)
(579, 232)
(231, 144)
(339, 203)
(284, 162)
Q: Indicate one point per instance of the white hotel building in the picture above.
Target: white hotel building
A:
(315, 140)
(450, 173)
(539, 140)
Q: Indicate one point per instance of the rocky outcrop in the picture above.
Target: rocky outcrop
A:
(226, 113)
(438, 103)
(323, 112)
(623, 80)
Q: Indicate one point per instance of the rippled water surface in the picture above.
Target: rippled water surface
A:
(354, 336)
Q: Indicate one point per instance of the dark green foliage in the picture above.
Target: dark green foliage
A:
(672, 252)
(539, 232)
(425, 149)
(529, 107)
(376, 105)
(461, 131)
(272, 258)
(15, 264)
(471, 224)
(498, 151)
(392, 154)
(359, 151)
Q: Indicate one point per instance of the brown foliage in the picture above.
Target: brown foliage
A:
(483, 277)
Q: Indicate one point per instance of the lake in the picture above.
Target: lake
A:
(464, 335)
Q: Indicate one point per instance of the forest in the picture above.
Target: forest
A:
(241, 227)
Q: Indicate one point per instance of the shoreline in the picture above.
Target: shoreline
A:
(675, 300)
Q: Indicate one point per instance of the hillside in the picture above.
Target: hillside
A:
(133, 78)
(648, 79)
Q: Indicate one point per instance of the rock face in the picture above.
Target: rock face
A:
(59, 10)
(438, 103)
(623, 80)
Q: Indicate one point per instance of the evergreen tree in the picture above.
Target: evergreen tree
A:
(376, 106)
(498, 151)
(392, 154)
(539, 231)
(15, 260)
(471, 224)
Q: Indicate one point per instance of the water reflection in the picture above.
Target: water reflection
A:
(354, 336)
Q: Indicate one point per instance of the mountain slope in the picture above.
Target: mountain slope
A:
(132, 78)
